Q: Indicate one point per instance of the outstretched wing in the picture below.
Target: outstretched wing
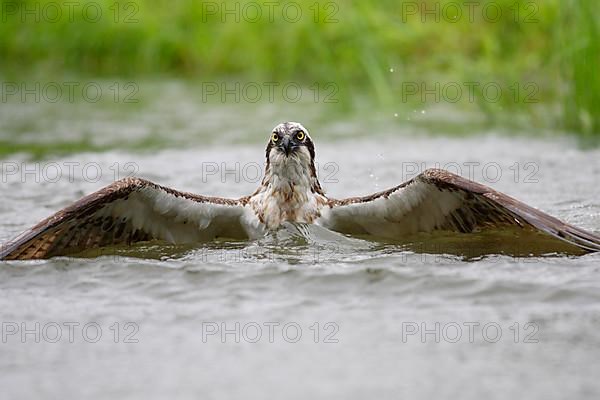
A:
(128, 211)
(440, 200)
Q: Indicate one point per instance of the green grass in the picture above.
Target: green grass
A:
(581, 64)
(555, 51)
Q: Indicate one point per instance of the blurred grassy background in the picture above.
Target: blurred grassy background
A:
(370, 49)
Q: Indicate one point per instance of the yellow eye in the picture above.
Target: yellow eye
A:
(275, 138)
(300, 135)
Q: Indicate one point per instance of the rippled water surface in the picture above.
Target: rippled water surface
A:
(302, 313)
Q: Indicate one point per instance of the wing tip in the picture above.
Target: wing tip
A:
(583, 239)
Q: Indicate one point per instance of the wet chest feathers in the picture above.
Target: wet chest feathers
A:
(289, 192)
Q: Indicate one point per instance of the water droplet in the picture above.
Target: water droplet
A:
(395, 114)
(422, 111)
(391, 69)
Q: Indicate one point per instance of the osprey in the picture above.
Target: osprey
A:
(133, 210)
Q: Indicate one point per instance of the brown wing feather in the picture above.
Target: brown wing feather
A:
(110, 216)
(440, 200)
(521, 213)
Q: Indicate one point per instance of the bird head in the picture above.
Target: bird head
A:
(291, 139)
(291, 154)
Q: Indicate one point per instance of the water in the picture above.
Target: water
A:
(304, 312)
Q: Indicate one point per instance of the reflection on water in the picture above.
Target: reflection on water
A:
(373, 294)
(510, 242)
(306, 244)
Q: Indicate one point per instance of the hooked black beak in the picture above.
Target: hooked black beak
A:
(286, 145)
